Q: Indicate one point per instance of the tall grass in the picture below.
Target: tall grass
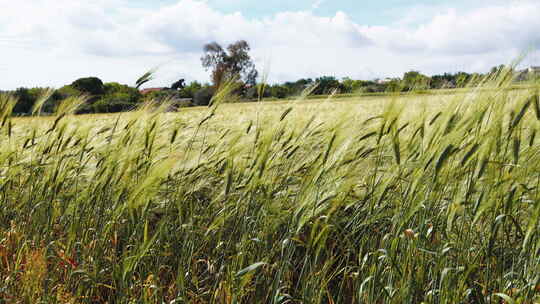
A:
(425, 205)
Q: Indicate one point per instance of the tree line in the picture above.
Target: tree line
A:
(230, 65)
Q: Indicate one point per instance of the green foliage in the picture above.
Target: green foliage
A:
(278, 91)
(394, 85)
(25, 101)
(117, 98)
(190, 90)
(27, 98)
(414, 80)
(111, 88)
(119, 102)
(89, 85)
(353, 86)
(327, 85)
(446, 80)
(114, 97)
(68, 91)
(203, 96)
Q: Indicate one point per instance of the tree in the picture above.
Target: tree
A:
(326, 85)
(279, 91)
(117, 98)
(89, 85)
(190, 90)
(297, 87)
(446, 80)
(350, 85)
(25, 101)
(415, 80)
(68, 91)
(226, 65)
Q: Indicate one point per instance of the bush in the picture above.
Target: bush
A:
(279, 91)
(190, 90)
(126, 92)
(203, 96)
(112, 106)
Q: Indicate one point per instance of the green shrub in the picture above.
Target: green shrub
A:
(203, 96)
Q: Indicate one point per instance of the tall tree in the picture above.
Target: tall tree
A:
(89, 85)
(227, 64)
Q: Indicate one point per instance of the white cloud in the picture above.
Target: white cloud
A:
(317, 4)
(480, 31)
(52, 43)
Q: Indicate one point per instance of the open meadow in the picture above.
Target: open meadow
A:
(396, 199)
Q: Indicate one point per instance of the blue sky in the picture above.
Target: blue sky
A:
(369, 12)
(51, 43)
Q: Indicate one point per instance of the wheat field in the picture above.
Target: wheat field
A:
(397, 199)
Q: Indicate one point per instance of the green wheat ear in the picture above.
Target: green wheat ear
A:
(146, 77)
(7, 103)
(45, 96)
(70, 105)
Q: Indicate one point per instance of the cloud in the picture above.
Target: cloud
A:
(501, 27)
(50, 43)
(317, 4)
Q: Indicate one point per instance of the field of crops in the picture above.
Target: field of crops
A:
(406, 199)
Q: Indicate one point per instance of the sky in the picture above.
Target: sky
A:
(53, 42)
